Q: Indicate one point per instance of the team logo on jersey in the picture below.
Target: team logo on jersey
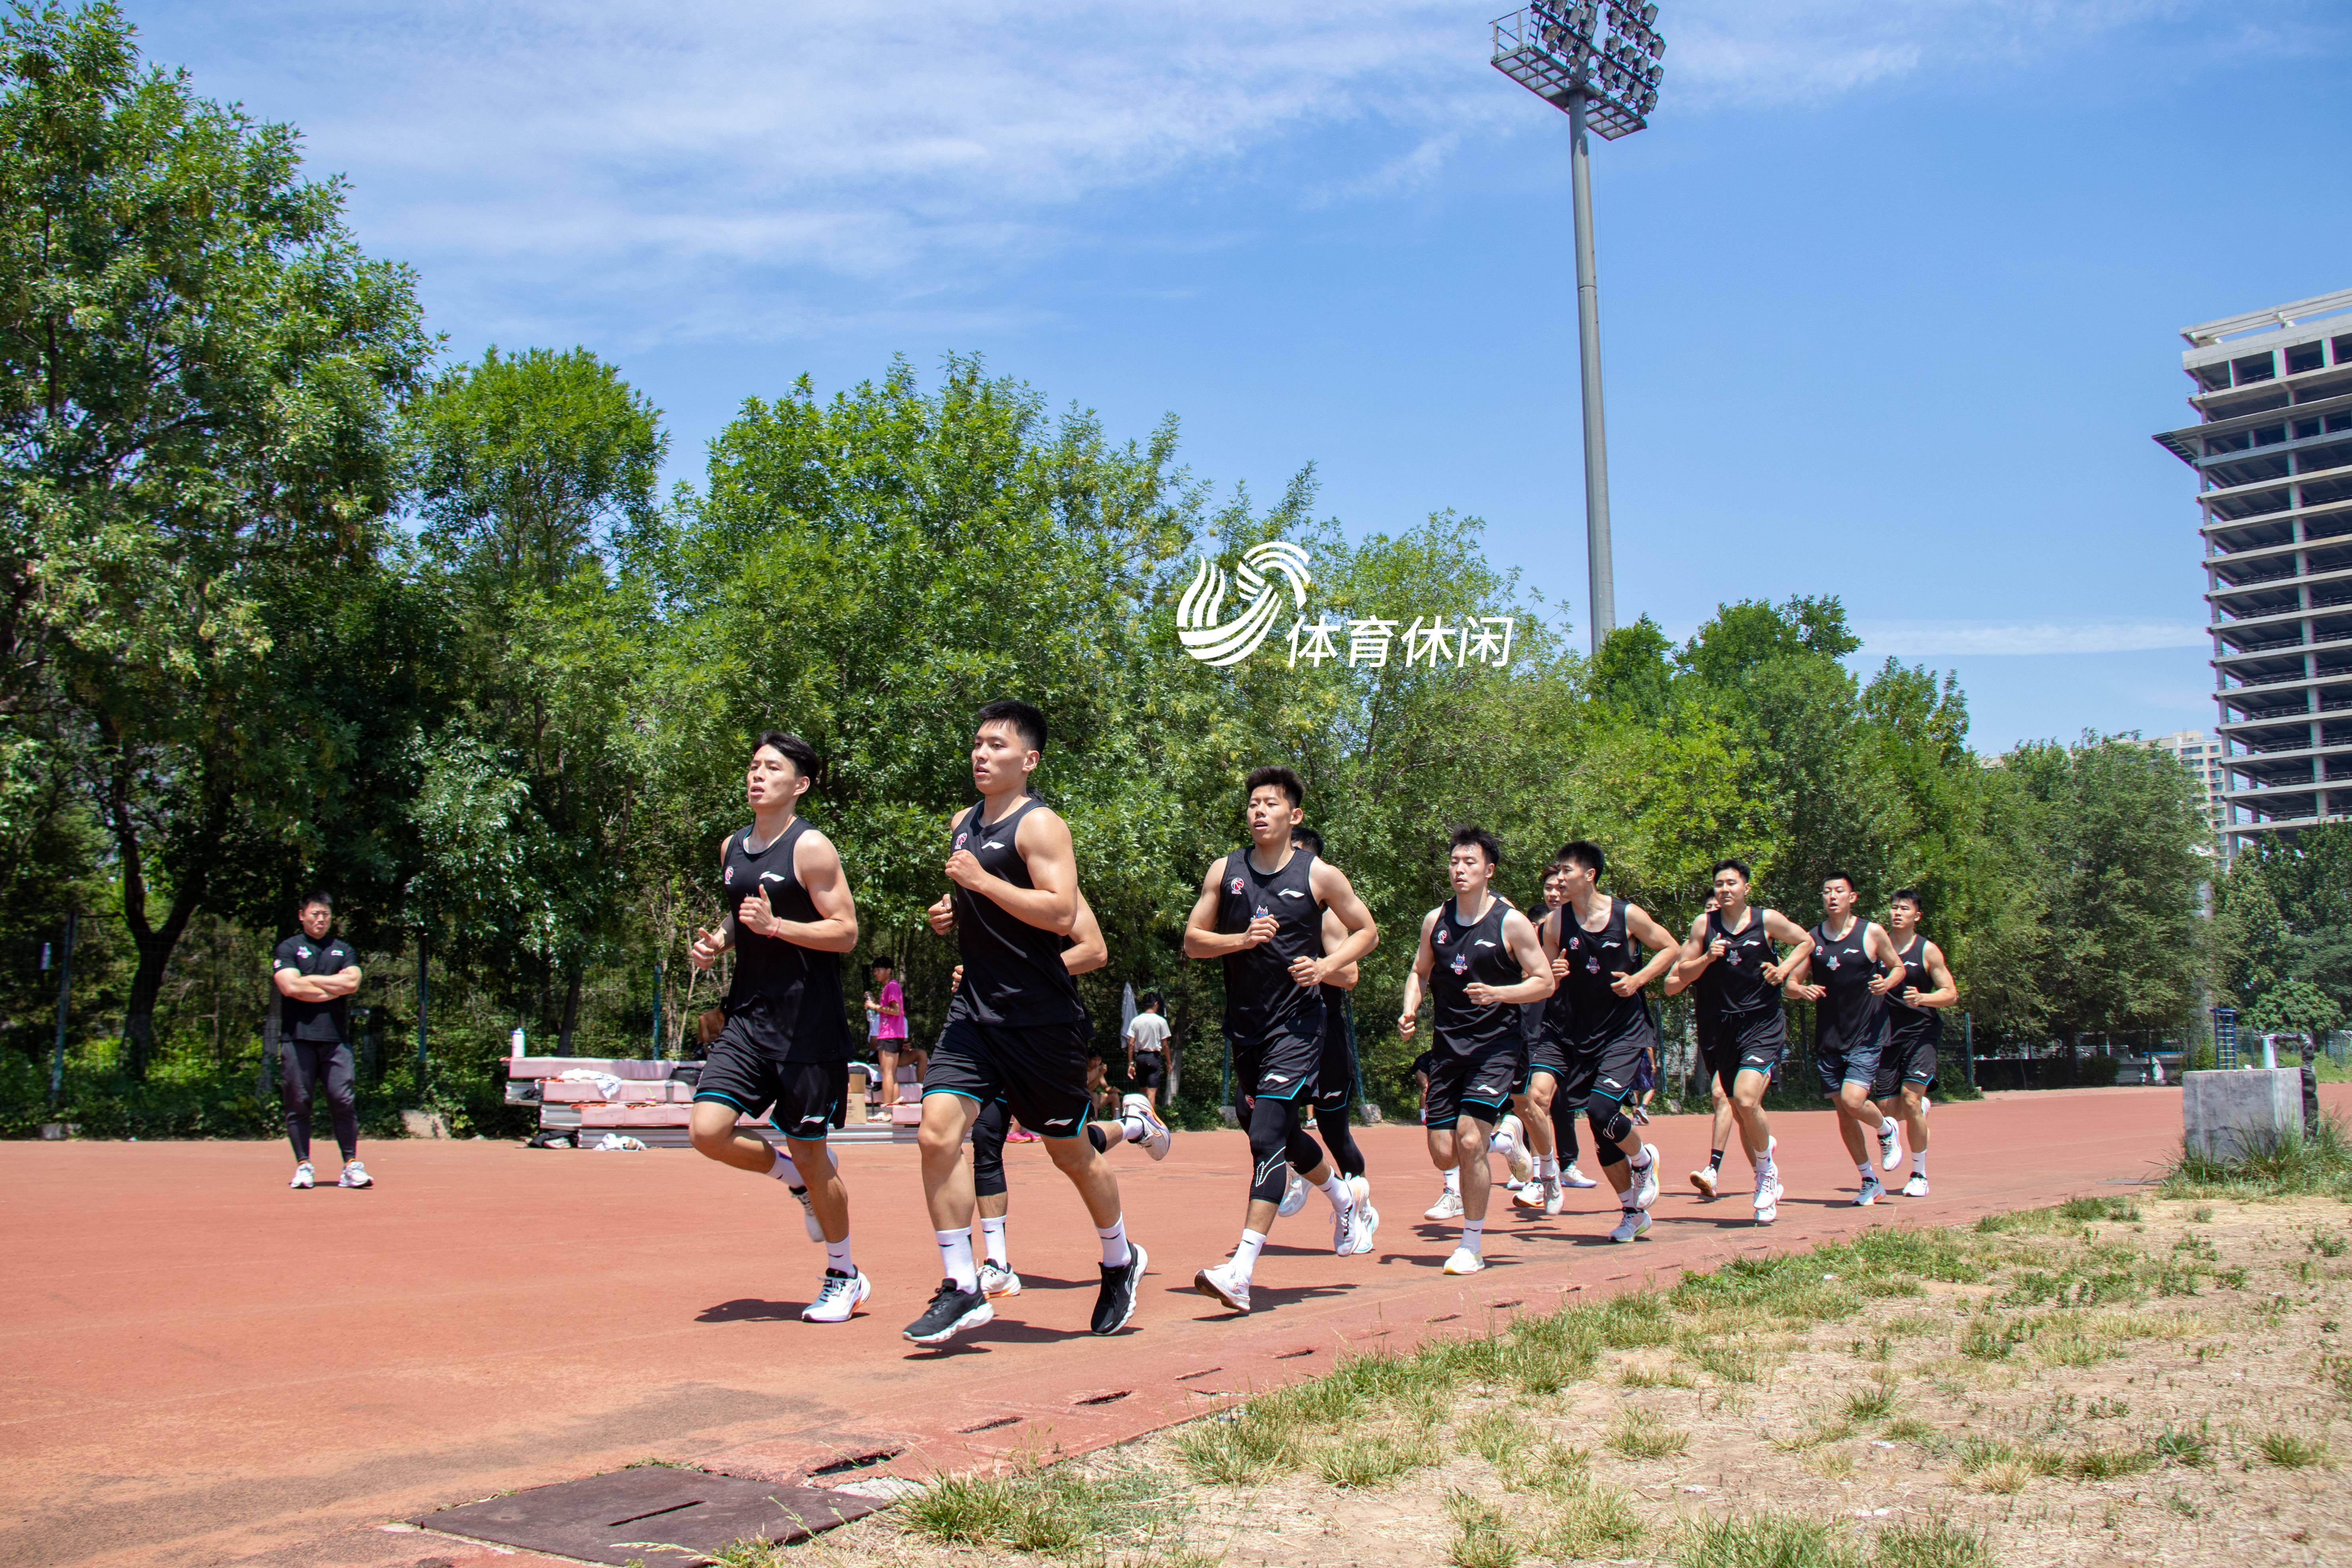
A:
(727, 876)
(1261, 575)
(1460, 963)
(1443, 933)
(1235, 886)
(1833, 960)
(1592, 966)
(960, 838)
(1574, 943)
(770, 877)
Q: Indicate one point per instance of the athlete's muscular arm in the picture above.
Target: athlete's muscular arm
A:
(1337, 897)
(1946, 991)
(1697, 952)
(1664, 951)
(1334, 934)
(1091, 952)
(708, 944)
(1042, 841)
(1202, 937)
(817, 864)
(1423, 960)
(1780, 928)
(1549, 932)
(1881, 946)
(1519, 936)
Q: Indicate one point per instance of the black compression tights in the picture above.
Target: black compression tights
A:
(315, 1067)
(1277, 1139)
(1340, 1139)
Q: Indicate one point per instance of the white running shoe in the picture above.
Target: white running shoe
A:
(1223, 1284)
(996, 1279)
(1528, 1195)
(1516, 1158)
(1704, 1181)
(1646, 1187)
(1294, 1196)
(1872, 1190)
(303, 1177)
(808, 1215)
(355, 1176)
(838, 1298)
(1447, 1206)
(1156, 1136)
(1465, 1261)
(1890, 1142)
(1343, 1231)
(1368, 1217)
(1554, 1198)
(1631, 1224)
(1767, 1199)
(1572, 1177)
(1917, 1187)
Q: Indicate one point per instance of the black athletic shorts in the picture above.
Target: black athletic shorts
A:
(1904, 1061)
(1841, 1064)
(808, 1096)
(1039, 1070)
(1150, 1072)
(1279, 1066)
(1743, 1042)
(1335, 1076)
(1609, 1069)
(1479, 1084)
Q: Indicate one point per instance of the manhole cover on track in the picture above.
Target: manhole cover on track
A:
(653, 1513)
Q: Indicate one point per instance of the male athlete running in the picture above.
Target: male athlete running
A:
(1478, 959)
(786, 1042)
(1261, 911)
(1550, 1119)
(1137, 1123)
(1015, 1027)
(1335, 1080)
(1906, 1068)
(1856, 962)
(1609, 1027)
(1730, 960)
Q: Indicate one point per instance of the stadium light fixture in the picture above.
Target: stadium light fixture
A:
(1599, 63)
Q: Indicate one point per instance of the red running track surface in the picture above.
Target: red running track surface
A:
(204, 1367)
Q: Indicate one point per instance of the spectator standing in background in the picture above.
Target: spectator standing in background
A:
(886, 1029)
(1147, 1051)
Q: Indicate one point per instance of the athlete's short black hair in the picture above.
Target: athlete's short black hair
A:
(1908, 896)
(1306, 839)
(1281, 777)
(791, 748)
(1468, 834)
(1851, 885)
(1026, 722)
(1581, 852)
(1739, 866)
(316, 896)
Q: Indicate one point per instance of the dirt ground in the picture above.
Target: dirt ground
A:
(2140, 1380)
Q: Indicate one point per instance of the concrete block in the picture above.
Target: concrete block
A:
(2228, 1115)
(424, 1124)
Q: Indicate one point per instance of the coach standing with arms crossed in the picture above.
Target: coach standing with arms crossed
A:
(315, 974)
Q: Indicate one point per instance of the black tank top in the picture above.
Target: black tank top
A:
(1261, 998)
(1597, 1015)
(1012, 972)
(1734, 983)
(1851, 1014)
(1466, 954)
(1552, 1014)
(1906, 1024)
(790, 996)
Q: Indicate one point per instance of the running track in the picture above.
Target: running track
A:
(203, 1367)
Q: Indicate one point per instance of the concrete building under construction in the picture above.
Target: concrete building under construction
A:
(2272, 451)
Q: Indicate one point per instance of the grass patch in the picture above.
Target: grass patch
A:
(1052, 1510)
(1735, 1361)
(1911, 1429)
(1375, 1458)
(1635, 1322)
(2102, 1464)
(1875, 1405)
(1556, 1469)
(2181, 1445)
(1638, 1439)
(1590, 1521)
(1239, 1447)
(1766, 1540)
(2098, 1208)
(1937, 1543)
(1481, 1537)
(2317, 1163)
(2335, 1372)
(2291, 1450)
(1496, 1436)
(1987, 1338)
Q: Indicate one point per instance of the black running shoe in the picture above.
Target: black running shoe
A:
(952, 1310)
(1116, 1305)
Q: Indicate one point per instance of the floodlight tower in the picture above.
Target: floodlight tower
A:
(1606, 78)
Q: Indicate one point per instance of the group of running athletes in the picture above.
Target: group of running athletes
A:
(1289, 931)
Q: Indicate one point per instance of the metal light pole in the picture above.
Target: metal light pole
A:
(1607, 81)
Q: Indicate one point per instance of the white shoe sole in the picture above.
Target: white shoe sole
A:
(841, 1313)
(1465, 1263)
(1641, 1228)
(1705, 1183)
(1207, 1283)
(1011, 1286)
(1368, 1228)
(979, 1315)
(1915, 1188)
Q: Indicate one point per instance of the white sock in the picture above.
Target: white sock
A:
(1134, 1128)
(1246, 1255)
(1547, 1166)
(784, 1171)
(1887, 1127)
(1474, 1231)
(1453, 1181)
(1763, 1163)
(955, 1255)
(1114, 1243)
(1640, 1159)
(991, 1235)
(1867, 1170)
(836, 1257)
(1336, 1189)
(1502, 1143)
(1919, 1163)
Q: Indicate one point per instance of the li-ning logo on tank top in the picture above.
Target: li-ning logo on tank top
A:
(1230, 642)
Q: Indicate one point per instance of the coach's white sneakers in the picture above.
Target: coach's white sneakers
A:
(303, 1177)
(355, 1176)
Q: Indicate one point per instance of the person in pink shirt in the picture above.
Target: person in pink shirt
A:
(886, 1026)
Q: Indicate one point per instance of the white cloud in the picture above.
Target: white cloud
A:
(684, 167)
(1916, 639)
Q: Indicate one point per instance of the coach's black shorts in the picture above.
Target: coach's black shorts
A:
(1279, 1065)
(1477, 1085)
(808, 1096)
(1839, 1063)
(1335, 1076)
(1743, 1042)
(1150, 1072)
(1911, 1060)
(1039, 1070)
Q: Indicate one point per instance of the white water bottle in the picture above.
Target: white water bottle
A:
(515, 1045)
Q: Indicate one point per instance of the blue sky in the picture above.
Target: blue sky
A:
(1889, 291)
